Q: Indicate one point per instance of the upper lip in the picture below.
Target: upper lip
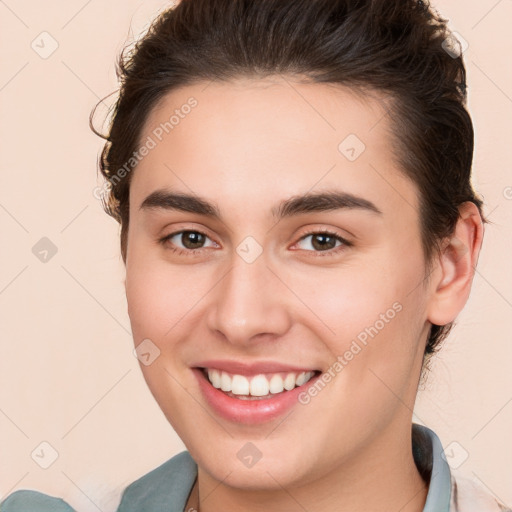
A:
(254, 368)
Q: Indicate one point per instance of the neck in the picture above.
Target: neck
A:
(382, 477)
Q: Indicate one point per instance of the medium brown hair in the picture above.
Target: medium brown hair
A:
(395, 47)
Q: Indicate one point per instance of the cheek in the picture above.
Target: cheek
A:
(371, 326)
(159, 306)
(158, 298)
(372, 318)
(348, 300)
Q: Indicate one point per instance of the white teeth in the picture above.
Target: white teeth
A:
(225, 382)
(239, 384)
(301, 379)
(289, 382)
(276, 384)
(259, 385)
(214, 377)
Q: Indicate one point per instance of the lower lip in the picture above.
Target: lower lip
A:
(249, 411)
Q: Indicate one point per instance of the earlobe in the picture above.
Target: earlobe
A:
(456, 266)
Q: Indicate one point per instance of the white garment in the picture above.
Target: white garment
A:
(468, 495)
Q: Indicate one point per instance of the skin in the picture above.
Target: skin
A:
(248, 145)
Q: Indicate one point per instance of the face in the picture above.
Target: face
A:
(256, 279)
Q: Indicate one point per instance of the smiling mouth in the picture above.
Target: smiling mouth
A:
(257, 387)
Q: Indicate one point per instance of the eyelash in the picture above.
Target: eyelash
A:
(193, 252)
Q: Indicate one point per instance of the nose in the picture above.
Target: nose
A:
(250, 301)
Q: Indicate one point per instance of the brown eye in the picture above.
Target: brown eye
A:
(323, 241)
(186, 241)
(192, 239)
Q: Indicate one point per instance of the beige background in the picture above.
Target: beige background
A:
(68, 375)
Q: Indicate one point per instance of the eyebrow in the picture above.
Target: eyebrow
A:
(163, 199)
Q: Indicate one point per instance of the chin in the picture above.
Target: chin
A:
(264, 477)
(270, 472)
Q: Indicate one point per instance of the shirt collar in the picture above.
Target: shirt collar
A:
(428, 455)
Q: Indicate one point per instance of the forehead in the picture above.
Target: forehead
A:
(254, 138)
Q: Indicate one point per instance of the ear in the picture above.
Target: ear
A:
(455, 267)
